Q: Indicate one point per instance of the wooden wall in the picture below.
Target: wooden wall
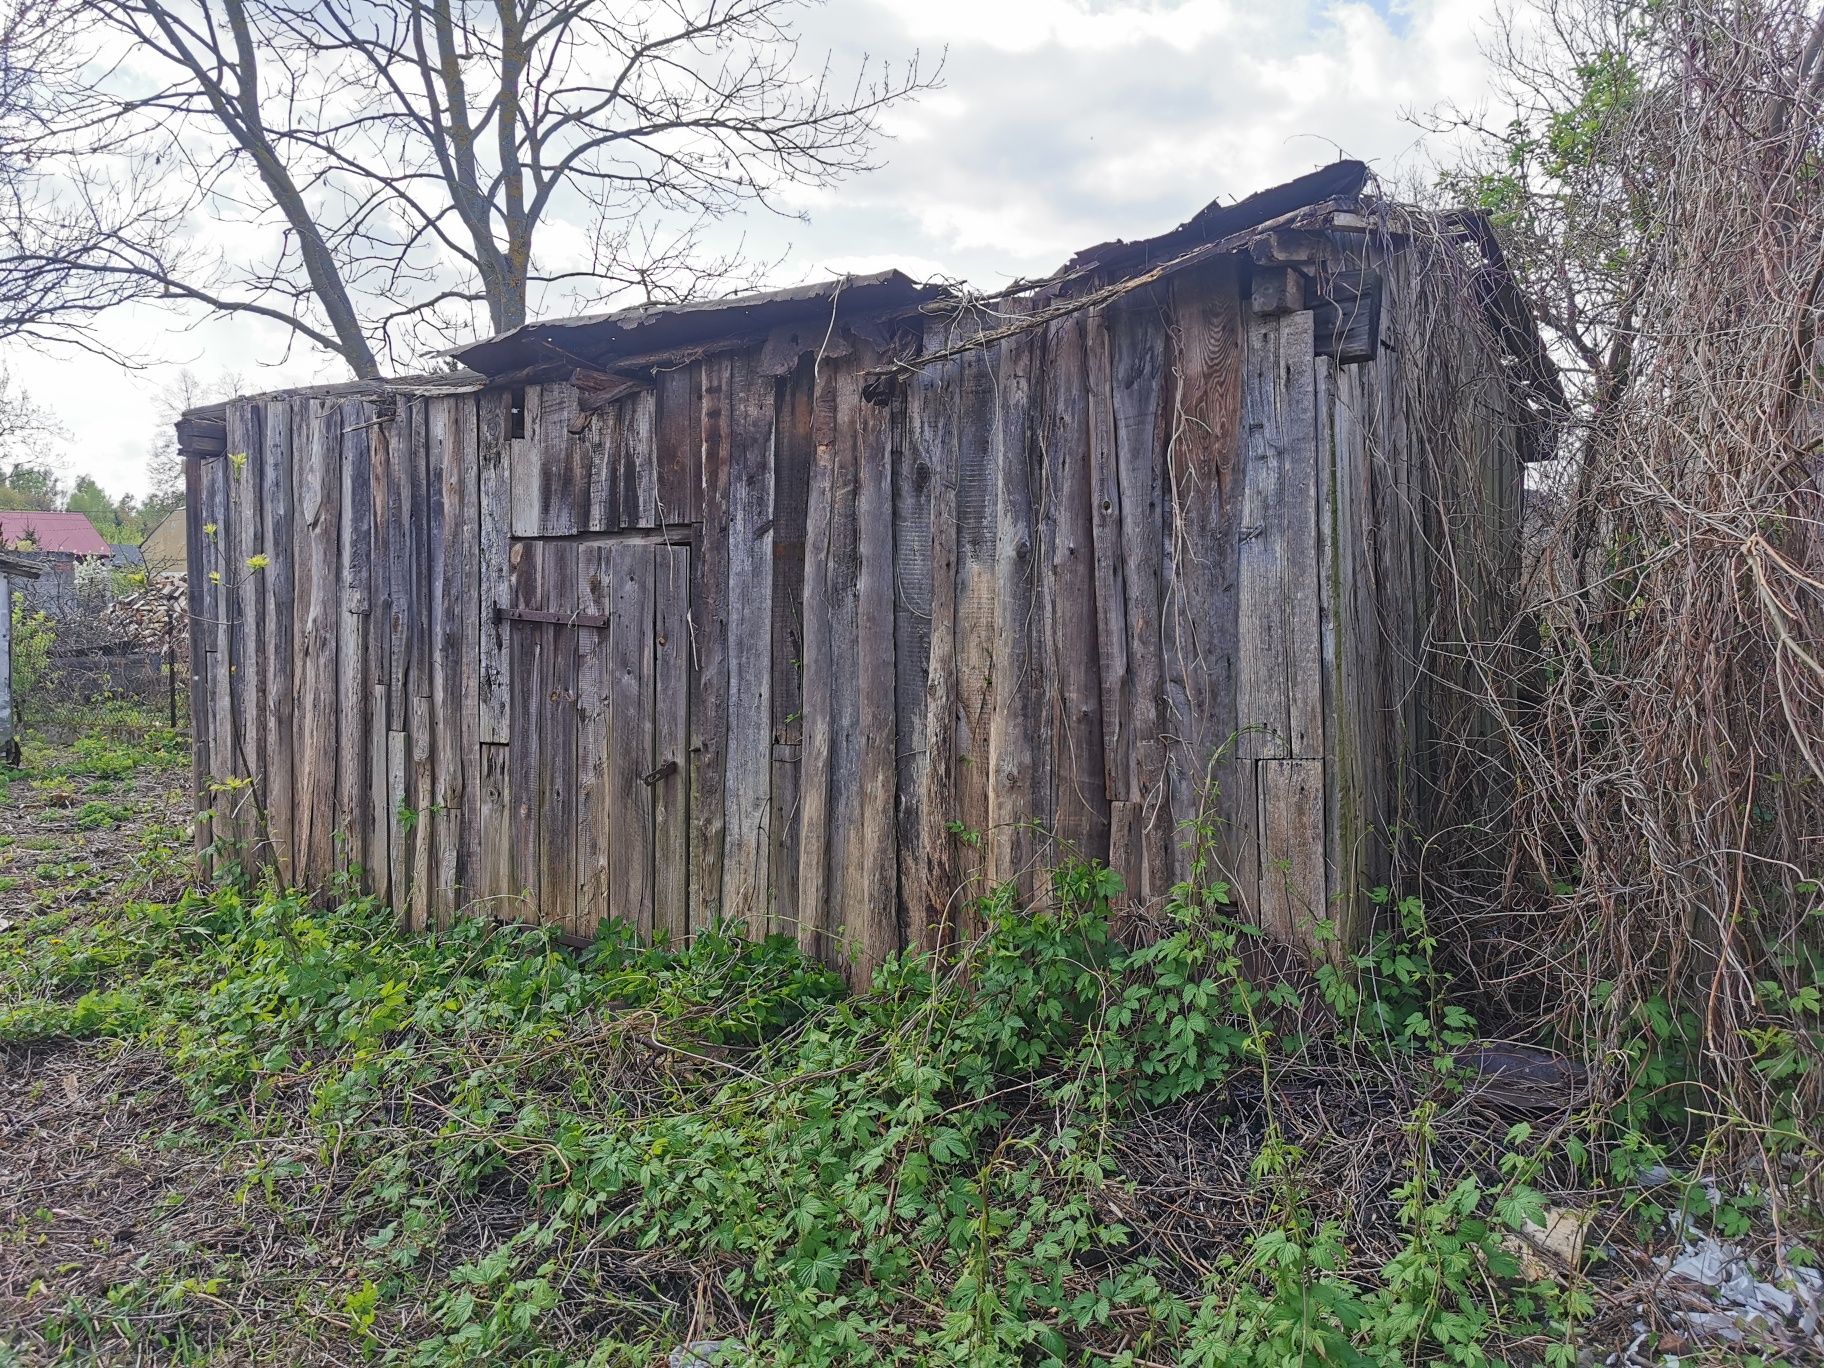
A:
(747, 641)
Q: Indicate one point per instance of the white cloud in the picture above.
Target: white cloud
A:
(1061, 123)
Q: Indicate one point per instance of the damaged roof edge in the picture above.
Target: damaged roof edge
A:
(593, 340)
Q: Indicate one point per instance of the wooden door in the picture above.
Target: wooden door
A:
(599, 731)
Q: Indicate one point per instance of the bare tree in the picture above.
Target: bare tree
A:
(401, 165)
(72, 233)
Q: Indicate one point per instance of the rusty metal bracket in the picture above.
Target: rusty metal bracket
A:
(503, 614)
(670, 767)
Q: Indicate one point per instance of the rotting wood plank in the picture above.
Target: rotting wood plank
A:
(929, 886)
(594, 835)
(1137, 337)
(670, 788)
(277, 689)
(1012, 725)
(1201, 623)
(245, 597)
(678, 444)
(848, 850)
(977, 496)
(419, 800)
(379, 633)
(494, 814)
(876, 932)
(316, 622)
(747, 764)
(633, 701)
(201, 701)
(354, 678)
(1079, 798)
(794, 453)
(529, 648)
(234, 805)
(495, 461)
(814, 797)
(1112, 635)
(709, 646)
(461, 591)
(525, 466)
(444, 607)
(1299, 489)
(1262, 688)
(557, 743)
(1292, 900)
(380, 797)
(912, 608)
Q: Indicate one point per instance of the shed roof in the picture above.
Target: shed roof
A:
(71, 533)
(594, 338)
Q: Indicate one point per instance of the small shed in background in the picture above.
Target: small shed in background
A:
(830, 607)
(14, 570)
(165, 549)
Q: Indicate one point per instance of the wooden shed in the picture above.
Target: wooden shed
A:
(825, 608)
(15, 571)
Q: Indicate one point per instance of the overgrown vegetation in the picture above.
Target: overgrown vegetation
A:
(1059, 1149)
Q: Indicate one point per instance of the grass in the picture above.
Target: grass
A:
(276, 1129)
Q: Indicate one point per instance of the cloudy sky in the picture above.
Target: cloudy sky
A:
(1060, 123)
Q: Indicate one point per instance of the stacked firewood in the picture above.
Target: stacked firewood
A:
(153, 617)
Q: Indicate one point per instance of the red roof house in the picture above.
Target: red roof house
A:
(70, 533)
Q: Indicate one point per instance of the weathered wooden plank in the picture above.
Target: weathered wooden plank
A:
(381, 862)
(928, 877)
(747, 766)
(247, 606)
(316, 623)
(848, 852)
(638, 447)
(354, 673)
(875, 927)
(594, 836)
(529, 646)
(451, 573)
(911, 606)
(1079, 798)
(1200, 616)
(1109, 568)
(633, 704)
(404, 450)
(671, 742)
(461, 592)
(794, 453)
(420, 801)
(525, 463)
(1012, 755)
(709, 638)
(1299, 487)
(237, 801)
(494, 815)
(814, 797)
(557, 742)
(202, 701)
(678, 444)
(599, 442)
(977, 497)
(495, 461)
(277, 689)
(398, 819)
(1137, 337)
(1339, 537)
(1262, 687)
(564, 461)
(1291, 798)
